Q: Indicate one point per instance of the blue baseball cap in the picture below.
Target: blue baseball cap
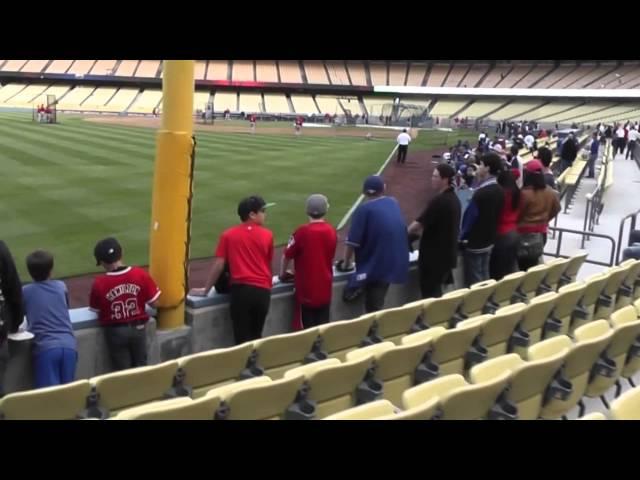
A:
(373, 184)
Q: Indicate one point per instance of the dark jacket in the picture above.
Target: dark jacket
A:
(569, 150)
(480, 222)
(441, 228)
(11, 288)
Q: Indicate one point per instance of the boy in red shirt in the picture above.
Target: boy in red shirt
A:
(119, 298)
(312, 248)
(248, 250)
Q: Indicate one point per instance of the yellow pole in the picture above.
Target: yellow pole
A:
(170, 210)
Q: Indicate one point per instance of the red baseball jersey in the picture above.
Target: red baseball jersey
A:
(248, 250)
(121, 296)
(312, 247)
(299, 121)
(252, 118)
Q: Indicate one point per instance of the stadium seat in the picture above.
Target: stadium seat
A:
(627, 406)
(591, 341)
(500, 331)
(556, 272)
(149, 410)
(528, 381)
(206, 370)
(594, 416)
(279, 353)
(334, 388)
(505, 291)
(136, 386)
(607, 301)
(392, 324)
(454, 350)
(623, 318)
(398, 368)
(536, 316)
(533, 281)
(477, 299)
(425, 411)
(64, 402)
(459, 400)
(267, 400)
(440, 311)
(571, 272)
(339, 338)
(566, 309)
(368, 411)
(626, 293)
(626, 328)
(594, 285)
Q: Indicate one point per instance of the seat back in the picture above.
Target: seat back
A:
(533, 280)
(627, 405)
(607, 301)
(477, 298)
(426, 411)
(506, 289)
(575, 263)
(279, 353)
(339, 338)
(394, 323)
(473, 401)
(441, 311)
(565, 310)
(368, 411)
(498, 330)
(594, 286)
(537, 315)
(557, 270)
(451, 350)
(64, 402)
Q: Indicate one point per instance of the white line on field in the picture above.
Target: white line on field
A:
(346, 218)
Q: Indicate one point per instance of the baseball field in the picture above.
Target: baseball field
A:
(65, 186)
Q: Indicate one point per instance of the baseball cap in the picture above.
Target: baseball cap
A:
(317, 204)
(497, 148)
(534, 166)
(252, 204)
(373, 184)
(107, 250)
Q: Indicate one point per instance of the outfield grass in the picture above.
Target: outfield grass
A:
(65, 186)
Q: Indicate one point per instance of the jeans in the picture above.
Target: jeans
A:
(476, 266)
(374, 295)
(592, 165)
(504, 256)
(55, 366)
(127, 344)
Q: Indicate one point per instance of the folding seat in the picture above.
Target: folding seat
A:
(368, 411)
(64, 402)
(626, 293)
(557, 269)
(568, 307)
(625, 323)
(594, 286)
(476, 301)
(575, 263)
(454, 350)
(116, 391)
(425, 411)
(500, 332)
(392, 324)
(607, 301)
(182, 408)
(537, 315)
(594, 416)
(339, 338)
(440, 311)
(332, 388)
(397, 367)
(626, 328)
(505, 292)
(528, 380)
(279, 353)
(203, 371)
(571, 382)
(460, 400)
(533, 281)
(627, 406)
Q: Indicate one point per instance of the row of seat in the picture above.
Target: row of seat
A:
(274, 356)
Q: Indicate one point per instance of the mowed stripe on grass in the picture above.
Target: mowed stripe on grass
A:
(65, 186)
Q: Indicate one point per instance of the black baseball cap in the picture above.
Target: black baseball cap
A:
(107, 250)
(252, 204)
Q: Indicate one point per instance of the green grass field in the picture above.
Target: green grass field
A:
(65, 186)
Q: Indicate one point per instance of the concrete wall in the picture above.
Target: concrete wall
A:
(208, 325)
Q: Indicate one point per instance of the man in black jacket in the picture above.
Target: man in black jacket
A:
(440, 226)
(480, 220)
(11, 314)
(568, 153)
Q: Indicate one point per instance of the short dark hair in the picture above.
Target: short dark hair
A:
(514, 150)
(446, 171)
(545, 156)
(250, 205)
(494, 162)
(40, 265)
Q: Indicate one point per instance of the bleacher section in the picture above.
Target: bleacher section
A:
(266, 71)
(200, 70)
(480, 108)
(550, 109)
(35, 66)
(74, 99)
(416, 75)
(200, 100)
(314, 69)
(218, 70)
(515, 109)
(146, 102)
(397, 73)
(81, 67)
(474, 75)
(13, 65)
(242, 71)
(533, 76)
(225, 101)
(276, 103)
(127, 68)
(289, 71)
(59, 66)
(495, 75)
(446, 108)
(304, 104)
(438, 73)
(329, 105)
(378, 73)
(250, 102)
(148, 68)
(57, 90)
(574, 76)
(456, 74)
(98, 99)
(518, 72)
(555, 76)
(121, 100)
(357, 73)
(337, 73)
(9, 90)
(103, 67)
(24, 99)
(351, 104)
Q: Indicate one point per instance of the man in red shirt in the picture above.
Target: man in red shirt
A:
(119, 298)
(248, 250)
(252, 123)
(312, 248)
(299, 122)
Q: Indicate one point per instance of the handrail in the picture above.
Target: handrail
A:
(594, 199)
(631, 216)
(562, 231)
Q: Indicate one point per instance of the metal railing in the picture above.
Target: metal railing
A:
(560, 234)
(633, 218)
(595, 202)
